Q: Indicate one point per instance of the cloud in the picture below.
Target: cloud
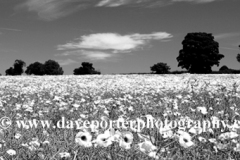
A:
(228, 48)
(51, 9)
(66, 62)
(113, 3)
(11, 29)
(92, 55)
(114, 41)
(96, 55)
(226, 35)
(54, 9)
(195, 1)
(101, 46)
(147, 3)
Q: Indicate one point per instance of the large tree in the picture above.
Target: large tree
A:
(86, 68)
(52, 67)
(36, 68)
(200, 52)
(160, 68)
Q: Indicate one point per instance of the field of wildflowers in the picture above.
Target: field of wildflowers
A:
(174, 98)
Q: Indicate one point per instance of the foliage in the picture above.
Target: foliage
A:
(179, 72)
(17, 68)
(238, 56)
(160, 68)
(9, 71)
(223, 68)
(36, 68)
(200, 52)
(52, 67)
(86, 68)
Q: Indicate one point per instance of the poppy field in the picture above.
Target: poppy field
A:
(32, 126)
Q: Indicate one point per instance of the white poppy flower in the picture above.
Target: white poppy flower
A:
(212, 140)
(11, 152)
(221, 146)
(154, 155)
(146, 147)
(185, 139)
(64, 154)
(115, 134)
(126, 140)
(201, 139)
(17, 135)
(83, 139)
(33, 145)
(195, 130)
(203, 110)
(103, 140)
(228, 135)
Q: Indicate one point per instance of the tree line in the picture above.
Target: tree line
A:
(50, 67)
(199, 54)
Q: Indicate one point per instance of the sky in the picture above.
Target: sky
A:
(116, 36)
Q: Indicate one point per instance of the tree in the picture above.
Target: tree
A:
(224, 68)
(200, 52)
(52, 67)
(36, 68)
(10, 72)
(238, 56)
(160, 68)
(17, 68)
(86, 68)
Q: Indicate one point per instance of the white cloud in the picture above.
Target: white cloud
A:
(54, 9)
(88, 54)
(50, 9)
(66, 62)
(113, 3)
(148, 3)
(96, 55)
(195, 1)
(101, 46)
(114, 41)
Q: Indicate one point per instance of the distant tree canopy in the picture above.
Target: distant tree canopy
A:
(223, 68)
(17, 68)
(200, 52)
(86, 68)
(10, 71)
(238, 56)
(160, 68)
(36, 68)
(52, 67)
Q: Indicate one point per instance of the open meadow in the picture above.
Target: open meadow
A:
(120, 117)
